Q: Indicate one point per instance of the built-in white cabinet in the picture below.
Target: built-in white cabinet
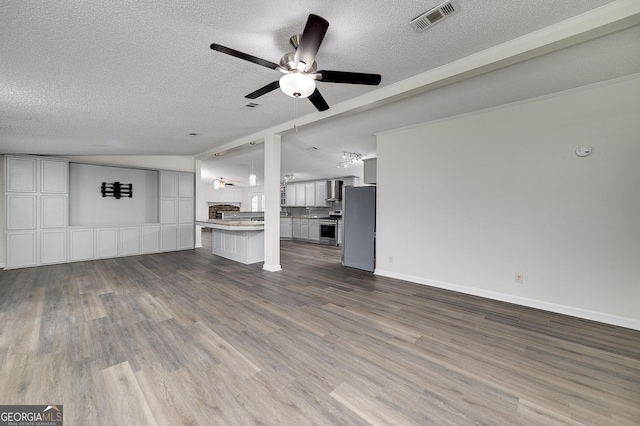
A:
(81, 244)
(290, 194)
(150, 236)
(21, 174)
(309, 194)
(370, 171)
(21, 212)
(300, 194)
(54, 176)
(54, 210)
(21, 249)
(286, 230)
(37, 230)
(304, 229)
(185, 236)
(129, 241)
(106, 242)
(296, 228)
(321, 190)
(53, 246)
(168, 237)
(314, 230)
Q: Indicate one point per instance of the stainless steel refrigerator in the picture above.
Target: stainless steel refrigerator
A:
(359, 216)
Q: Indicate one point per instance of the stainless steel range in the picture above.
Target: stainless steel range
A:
(329, 228)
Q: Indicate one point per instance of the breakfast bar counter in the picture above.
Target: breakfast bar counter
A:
(239, 240)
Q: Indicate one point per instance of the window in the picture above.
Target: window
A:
(257, 201)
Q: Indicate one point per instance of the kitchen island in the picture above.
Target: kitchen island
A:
(239, 240)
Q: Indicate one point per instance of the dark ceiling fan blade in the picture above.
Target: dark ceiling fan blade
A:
(264, 90)
(311, 39)
(244, 56)
(349, 77)
(318, 101)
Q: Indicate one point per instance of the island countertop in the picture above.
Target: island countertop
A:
(232, 225)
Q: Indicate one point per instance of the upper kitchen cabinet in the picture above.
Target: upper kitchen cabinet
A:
(300, 195)
(309, 194)
(290, 195)
(168, 185)
(321, 193)
(370, 171)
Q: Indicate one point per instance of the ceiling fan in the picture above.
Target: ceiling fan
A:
(299, 67)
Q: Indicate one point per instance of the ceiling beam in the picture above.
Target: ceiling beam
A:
(604, 20)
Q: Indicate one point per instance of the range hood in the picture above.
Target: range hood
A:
(335, 190)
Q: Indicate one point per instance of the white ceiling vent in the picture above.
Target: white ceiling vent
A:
(250, 105)
(437, 14)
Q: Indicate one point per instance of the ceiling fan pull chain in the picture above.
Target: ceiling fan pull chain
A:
(295, 113)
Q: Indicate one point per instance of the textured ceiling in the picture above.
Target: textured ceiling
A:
(135, 77)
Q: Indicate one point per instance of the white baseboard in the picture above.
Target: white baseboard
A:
(2, 265)
(272, 268)
(523, 301)
(198, 245)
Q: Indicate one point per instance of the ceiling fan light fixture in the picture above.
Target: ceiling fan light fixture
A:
(297, 85)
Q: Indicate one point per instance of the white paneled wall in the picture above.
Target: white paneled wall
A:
(37, 230)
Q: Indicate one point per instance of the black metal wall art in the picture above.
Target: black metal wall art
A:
(117, 189)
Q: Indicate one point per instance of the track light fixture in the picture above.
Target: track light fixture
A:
(349, 158)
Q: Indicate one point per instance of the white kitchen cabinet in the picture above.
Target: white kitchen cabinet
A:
(21, 212)
(314, 230)
(286, 230)
(296, 228)
(54, 211)
(106, 242)
(321, 193)
(129, 241)
(290, 194)
(168, 185)
(304, 229)
(53, 246)
(21, 174)
(21, 249)
(150, 237)
(54, 176)
(300, 194)
(370, 171)
(185, 236)
(309, 194)
(80, 244)
(168, 237)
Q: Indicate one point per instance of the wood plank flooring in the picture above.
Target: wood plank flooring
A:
(186, 338)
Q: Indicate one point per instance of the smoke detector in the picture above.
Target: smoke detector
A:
(437, 14)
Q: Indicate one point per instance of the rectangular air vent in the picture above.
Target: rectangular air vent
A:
(437, 14)
(250, 105)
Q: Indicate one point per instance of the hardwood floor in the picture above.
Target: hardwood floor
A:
(186, 338)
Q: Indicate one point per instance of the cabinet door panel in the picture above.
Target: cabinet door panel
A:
(106, 242)
(129, 241)
(21, 174)
(53, 246)
(21, 212)
(290, 195)
(300, 194)
(81, 244)
(53, 211)
(168, 210)
(309, 194)
(21, 249)
(168, 238)
(185, 185)
(53, 176)
(168, 186)
(185, 237)
(185, 210)
(150, 239)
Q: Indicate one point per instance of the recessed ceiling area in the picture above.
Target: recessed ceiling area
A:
(123, 78)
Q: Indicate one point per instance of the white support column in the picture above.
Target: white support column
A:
(272, 203)
(199, 202)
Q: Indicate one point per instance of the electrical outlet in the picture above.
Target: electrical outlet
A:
(390, 259)
(519, 278)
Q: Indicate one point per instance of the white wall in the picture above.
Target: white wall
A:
(181, 163)
(87, 206)
(2, 257)
(467, 203)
